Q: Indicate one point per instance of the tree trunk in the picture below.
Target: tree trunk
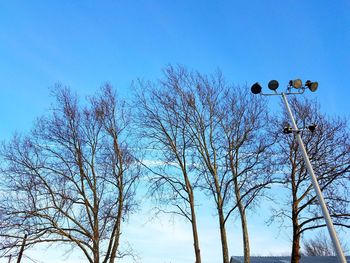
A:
(118, 225)
(296, 228)
(96, 231)
(245, 236)
(193, 220)
(22, 249)
(120, 197)
(245, 233)
(296, 234)
(241, 208)
(224, 245)
(96, 250)
(195, 233)
(96, 255)
(225, 256)
(296, 246)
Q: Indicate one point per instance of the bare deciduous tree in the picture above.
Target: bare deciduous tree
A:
(329, 151)
(320, 245)
(222, 127)
(162, 126)
(204, 95)
(183, 115)
(249, 152)
(72, 180)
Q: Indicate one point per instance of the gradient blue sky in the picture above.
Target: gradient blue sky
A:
(84, 44)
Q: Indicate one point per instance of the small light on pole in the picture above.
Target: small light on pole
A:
(311, 85)
(287, 130)
(273, 84)
(312, 127)
(297, 83)
(256, 88)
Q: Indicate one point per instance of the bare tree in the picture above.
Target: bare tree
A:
(201, 100)
(72, 180)
(320, 245)
(162, 127)
(249, 152)
(329, 151)
(224, 130)
(180, 117)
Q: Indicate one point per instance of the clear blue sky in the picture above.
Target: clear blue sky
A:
(84, 44)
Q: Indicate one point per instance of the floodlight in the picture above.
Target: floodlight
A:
(256, 88)
(287, 129)
(273, 84)
(311, 85)
(297, 83)
(312, 127)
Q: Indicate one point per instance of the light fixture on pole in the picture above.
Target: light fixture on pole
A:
(311, 85)
(312, 127)
(256, 88)
(273, 84)
(297, 83)
(300, 88)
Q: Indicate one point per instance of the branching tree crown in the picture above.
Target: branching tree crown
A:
(72, 180)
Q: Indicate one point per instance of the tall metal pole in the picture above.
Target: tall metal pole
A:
(330, 226)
